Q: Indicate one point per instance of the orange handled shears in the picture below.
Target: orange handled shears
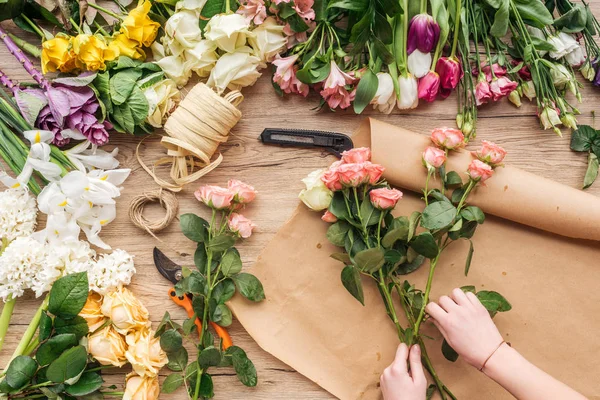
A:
(172, 272)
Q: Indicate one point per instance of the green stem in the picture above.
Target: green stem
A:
(76, 25)
(432, 266)
(7, 312)
(33, 26)
(387, 297)
(32, 346)
(198, 374)
(426, 190)
(100, 368)
(30, 331)
(39, 385)
(100, 28)
(105, 11)
(423, 6)
(113, 393)
(26, 46)
(466, 194)
(456, 27)
(227, 7)
(405, 37)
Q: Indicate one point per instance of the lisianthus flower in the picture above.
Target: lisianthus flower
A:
(334, 91)
(419, 63)
(384, 198)
(490, 153)
(501, 87)
(479, 171)
(482, 91)
(563, 44)
(138, 26)
(562, 78)
(450, 71)
(528, 89)
(487, 70)
(549, 117)
(524, 71)
(433, 157)
(408, 96)
(253, 10)
(18, 214)
(569, 120)
(385, 98)
(423, 34)
(588, 70)
(429, 86)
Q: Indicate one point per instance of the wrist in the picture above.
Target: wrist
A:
(498, 360)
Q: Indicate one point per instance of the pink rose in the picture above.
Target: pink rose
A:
(447, 138)
(240, 225)
(243, 193)
(374, 171)
(331, 179)
(329, 217)
(384, 198)
(434, 157)
(479, 171)
(214, 196)
(353, 174)
(490, 153)
(358, 155)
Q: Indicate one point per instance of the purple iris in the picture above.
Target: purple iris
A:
(423, 34)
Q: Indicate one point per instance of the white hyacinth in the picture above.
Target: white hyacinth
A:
(18, 214)
(110, 271)
(21, 264)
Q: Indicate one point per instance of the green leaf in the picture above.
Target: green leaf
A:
(194, 227)
(210, 357)
(469, 258)
(122, 84)
(20, 371)
(411, 265)
(138, 105)
(398, 231)
(151, 79)
(51, 349)
(172, 383)
(189, 325)
(286, 10)
(370, 260)
(88, 383)
(206, 386)
(231, 263)
(425, 245)
(320, 7)
(351, 5)
(222, 315)
(249, 286)
(177, 359)
(501, 18)
(102, 85)
(413, 223)
(68, 365)
(592, 171)
(370, 215)
(124, 62)
(493, 301)
(431, 389)
(45, 328)
(343, 257)
(473, 213)
(297, 23)
(212, 8)
(453, 178)
(438, 215)
(221, 243)
(337, 232)
(469, 288)
(583, 137)
(10, 9)
(77, 81)
(338, 206)
(449, 352)
(534, 13)
(68, 295)
(77, 326)
(244, 369)
(171, 341)
(224, 291)
(573, 21)
(366, 90)
(352, 283)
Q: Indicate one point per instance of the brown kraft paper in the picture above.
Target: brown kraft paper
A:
(531, 248)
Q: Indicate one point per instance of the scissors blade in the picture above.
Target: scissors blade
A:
(167, 267)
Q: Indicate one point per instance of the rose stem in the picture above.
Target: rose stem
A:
(28, 47)
(22, 58)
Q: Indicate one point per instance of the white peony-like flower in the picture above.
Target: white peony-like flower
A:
(18, 214)
(234, 70)
(228, 31)
(111, 271)
(182, 31)
(268, 41)
(20, 266)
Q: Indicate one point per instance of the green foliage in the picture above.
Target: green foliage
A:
(87, 384)
(68, 295)
(351, 281)
(20, 371)
(586, 138)
(70, 364)
(249, 286)
(365, 91)
(438, 215)
(194, 227)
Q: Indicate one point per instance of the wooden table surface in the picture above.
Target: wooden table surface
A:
(276, 172)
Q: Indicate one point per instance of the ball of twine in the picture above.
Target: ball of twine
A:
(166, 199)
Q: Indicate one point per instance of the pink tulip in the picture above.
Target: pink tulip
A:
(242, 192)
(240, 225)
(447, 138)
(357, 155)
(479, 171)
(384, 198)
(429, 86)
(215, 197)
(329, 217)
(423, 34)
(490, 153)
(434, 157)
(334, 91)
(450, 71)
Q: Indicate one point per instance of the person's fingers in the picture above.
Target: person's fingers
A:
(436, 312)
(447, 303)
(399, 365)
(440, 328)
(475, 301)
(460, 297)
(416, 368)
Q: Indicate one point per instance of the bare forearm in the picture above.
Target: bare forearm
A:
(524, 380)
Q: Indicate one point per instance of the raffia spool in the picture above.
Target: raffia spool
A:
(201, 122)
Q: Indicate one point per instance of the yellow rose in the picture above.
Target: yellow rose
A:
(144, 353)
(92, 51)
(138, 388)
(57, 55)
(125, 311)
(124, 46)
(108, 347)
(91, 311)
(139, 27)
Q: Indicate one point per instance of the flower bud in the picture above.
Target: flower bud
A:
(515, 98)
(433, 157)
(479, 171)
(569, 120)
(408, 96)
(450, 71)
(528, 89)
(588, 71)
(429, 86)
(329, 217)
(459, 120)
(423, 34)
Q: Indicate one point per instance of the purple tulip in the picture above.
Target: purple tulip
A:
(423, 34)
(596, 66)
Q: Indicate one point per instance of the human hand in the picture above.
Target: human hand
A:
(397, 383)
(466, 326)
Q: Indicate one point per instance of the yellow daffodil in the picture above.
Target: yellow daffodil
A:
(139, 27)
(57, 55)
(124, 46)
(92, 51)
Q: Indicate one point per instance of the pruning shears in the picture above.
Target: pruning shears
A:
(173, 272)
(335, 143)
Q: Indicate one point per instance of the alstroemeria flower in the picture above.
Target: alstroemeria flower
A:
(385, 97)
(304, 8)
(235, 70)
(408, 96)
(419, 63)
(268, 40)
(253, 10)
(429, 86)
(228, 31)
(423, 34)
(450, 71)
(334, 91)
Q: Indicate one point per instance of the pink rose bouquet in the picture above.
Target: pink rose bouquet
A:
(385, 247)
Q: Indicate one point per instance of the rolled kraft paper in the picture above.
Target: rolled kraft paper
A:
(310, 322)
(511, 193)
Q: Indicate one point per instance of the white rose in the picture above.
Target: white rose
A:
(408, 98)
(316, 196)
(228, 31)
(163, 98)
(174, 68)
(234, 70)
(183, 27)
(385, 97)
(201, 58)
(268, 40)
(193, 5)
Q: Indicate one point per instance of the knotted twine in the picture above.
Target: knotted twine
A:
(201, 122)
(167, 200)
